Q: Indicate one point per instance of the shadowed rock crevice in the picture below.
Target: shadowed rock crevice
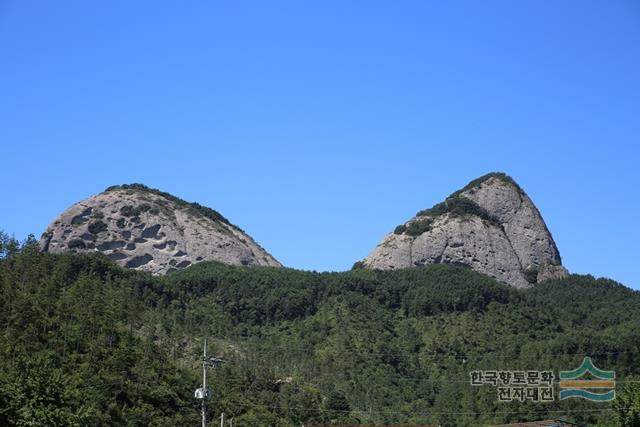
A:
(151, 232)
(105, 246)
(139, 261)
(82, 217)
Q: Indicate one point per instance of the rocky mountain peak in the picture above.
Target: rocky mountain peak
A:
(490, 225)
(147, 229)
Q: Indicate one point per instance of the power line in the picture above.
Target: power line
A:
(396, 412)
(435, 354)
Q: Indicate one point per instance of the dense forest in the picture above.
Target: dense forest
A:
(87, 343)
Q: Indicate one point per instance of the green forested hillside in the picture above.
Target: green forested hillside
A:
(85, 342)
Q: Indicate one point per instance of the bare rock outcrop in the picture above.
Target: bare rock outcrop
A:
(142, 228)
(490, 225)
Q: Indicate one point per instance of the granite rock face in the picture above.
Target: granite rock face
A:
(490, 225)
(149, 230)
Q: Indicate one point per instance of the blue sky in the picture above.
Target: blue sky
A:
(317, 126)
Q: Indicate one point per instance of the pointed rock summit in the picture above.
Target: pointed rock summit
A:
(147, 229)
(490, 225)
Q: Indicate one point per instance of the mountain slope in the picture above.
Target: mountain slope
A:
(490, 225)
(146, 229)
(105, 346)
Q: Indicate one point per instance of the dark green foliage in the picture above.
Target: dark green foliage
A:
(9, 246)
(73, 350)
(129, 211)
(30, 244)
(85, 342)
(478, 181)
(357, 265)
(133, 211)
(97, 227)
(458, 206)
(194, 208)
(455, 205)
(627, 405)
(76, 244)
(120, 222)
(400, 229)
(419, 226)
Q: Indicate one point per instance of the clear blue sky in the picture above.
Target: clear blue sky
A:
(317, 126)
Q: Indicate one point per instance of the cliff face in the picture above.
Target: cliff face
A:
(147, 229)
(490, 225)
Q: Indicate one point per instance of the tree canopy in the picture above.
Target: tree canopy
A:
(85, 342)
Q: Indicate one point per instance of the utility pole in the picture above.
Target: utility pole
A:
(207, 390)
(204, 393)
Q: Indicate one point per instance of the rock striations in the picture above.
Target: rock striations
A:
(490, 225)
(142, 228)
